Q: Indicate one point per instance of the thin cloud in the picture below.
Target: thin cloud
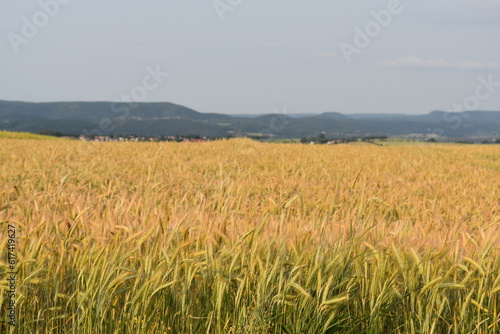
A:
(489, 11)
(491, 7)
(486, 14)
(441, 64)
(146, 40)
(324, 55)
(274, 45)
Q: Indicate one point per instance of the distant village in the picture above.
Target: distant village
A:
(320, 139)
(132, 138)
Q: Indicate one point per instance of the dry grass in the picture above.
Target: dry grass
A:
(242, 237)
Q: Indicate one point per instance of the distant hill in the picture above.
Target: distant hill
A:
(168, 119)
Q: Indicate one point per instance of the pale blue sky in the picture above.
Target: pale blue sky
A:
(264, 55)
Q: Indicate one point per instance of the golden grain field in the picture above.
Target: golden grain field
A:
(245, 237)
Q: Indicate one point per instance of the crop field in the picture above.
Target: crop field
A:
(23, 135)
(238, 236)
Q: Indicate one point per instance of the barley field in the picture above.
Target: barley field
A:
(238, 236)
(23, 135)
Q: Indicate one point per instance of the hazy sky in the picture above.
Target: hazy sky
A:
(255, 56)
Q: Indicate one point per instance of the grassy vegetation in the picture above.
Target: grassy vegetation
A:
(245, 237)
(23, 135)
